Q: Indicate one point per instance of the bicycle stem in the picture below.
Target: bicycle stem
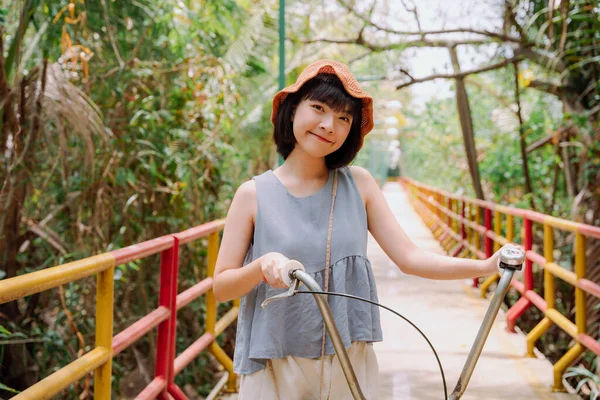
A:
(482, 335)
(511, 259)
(336, 339)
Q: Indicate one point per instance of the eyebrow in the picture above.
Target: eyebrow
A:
(347, 111)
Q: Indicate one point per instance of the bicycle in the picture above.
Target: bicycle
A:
(511, 260)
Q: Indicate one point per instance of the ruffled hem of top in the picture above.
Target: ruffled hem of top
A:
(300, 334)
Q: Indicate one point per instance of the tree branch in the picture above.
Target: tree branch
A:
(360, 41)
(540, 142)
(358, 58)
(510, 11)
(544, 60)
(48, 235)
(422, 34)
(522, 142)
(110, 34)
(462, 74)
(414, 11)
(547, 87)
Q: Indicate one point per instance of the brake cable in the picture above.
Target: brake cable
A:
(511, 259)
(397, 314)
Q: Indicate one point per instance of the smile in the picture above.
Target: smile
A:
(321, 138)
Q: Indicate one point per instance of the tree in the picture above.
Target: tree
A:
(120, 122)
(525, 36)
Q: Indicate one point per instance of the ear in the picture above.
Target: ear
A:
(293, 113)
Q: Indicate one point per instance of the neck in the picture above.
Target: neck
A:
(304, 166)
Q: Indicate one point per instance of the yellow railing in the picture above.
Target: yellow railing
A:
(164, 316)
(471, 227)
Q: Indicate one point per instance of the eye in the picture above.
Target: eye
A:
(318, 107)
(345, 119)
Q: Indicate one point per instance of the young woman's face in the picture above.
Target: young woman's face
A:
(318, 129)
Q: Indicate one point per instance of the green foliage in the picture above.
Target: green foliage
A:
(586, 380)
(430, 141)
(561, 130)
(156, 111)
(162, 137)
(8, 389)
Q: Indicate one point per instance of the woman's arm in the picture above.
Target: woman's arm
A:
(231, 281)
(401, 250)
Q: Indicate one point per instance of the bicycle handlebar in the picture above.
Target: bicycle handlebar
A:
(511, 260)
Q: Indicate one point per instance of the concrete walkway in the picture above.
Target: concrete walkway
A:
(449, 313)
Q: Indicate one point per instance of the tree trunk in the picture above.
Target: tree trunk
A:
(569, 173)
(523, 144)
(466, 123)
(15, 193)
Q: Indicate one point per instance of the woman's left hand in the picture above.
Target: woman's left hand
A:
(491, 264)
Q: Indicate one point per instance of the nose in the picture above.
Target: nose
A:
(327, 122)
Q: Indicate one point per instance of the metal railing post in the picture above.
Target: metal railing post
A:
(105, 288)
(580, 315)
(168, 284)
(580, 271)
(523, 303)
(211, 315)
(549, 292)
(528, 242)
(497, 229)
(172, 388)
(489, 249)
(477, 220)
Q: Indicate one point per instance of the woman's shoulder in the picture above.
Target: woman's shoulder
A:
(359, 173)
(247, 191)
(361, 176)
(364, 181)
(243, 205)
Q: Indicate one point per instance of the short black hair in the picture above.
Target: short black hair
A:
(328, 89)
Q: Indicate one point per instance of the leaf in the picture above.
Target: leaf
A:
(8, 389)
(130, 201)
(121, 177)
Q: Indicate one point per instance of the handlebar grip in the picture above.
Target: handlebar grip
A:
(511, 257)
(291, 265)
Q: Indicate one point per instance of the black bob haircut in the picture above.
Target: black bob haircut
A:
(328, 89)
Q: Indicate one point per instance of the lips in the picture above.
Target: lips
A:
(321, 138)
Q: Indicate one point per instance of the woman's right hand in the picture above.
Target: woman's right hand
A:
(270, 265)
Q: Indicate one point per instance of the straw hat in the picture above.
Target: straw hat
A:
(344, 75)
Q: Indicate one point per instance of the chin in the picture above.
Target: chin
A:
(318, 151)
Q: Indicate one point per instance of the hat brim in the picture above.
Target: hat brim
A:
(348, 81)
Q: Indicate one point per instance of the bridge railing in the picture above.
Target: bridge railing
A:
(467, 226)
(99, 359)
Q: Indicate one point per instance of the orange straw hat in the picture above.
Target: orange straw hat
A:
(344, 75)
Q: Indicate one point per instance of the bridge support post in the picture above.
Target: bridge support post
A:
(165, 355)
(523, 303)
(105, 288)
(211, 316)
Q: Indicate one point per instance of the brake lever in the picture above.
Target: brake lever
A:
(290, 293)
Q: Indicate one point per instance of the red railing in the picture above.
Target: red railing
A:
(455, 222)
(168, 364)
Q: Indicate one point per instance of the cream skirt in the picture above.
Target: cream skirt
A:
(300, 378)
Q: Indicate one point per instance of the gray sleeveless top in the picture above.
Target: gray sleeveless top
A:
(297, 228)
